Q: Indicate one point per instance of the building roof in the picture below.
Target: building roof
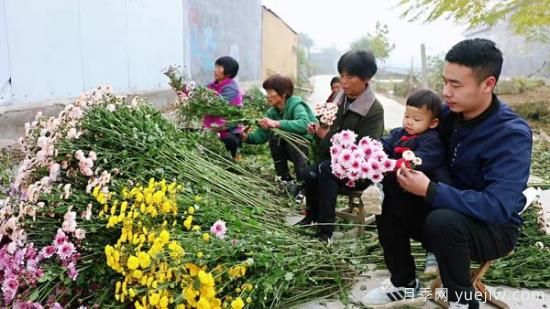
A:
(275, 14)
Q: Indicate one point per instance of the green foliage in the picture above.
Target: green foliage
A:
(404, 88)
(528, 265)
(254, 103)
(305, 66)
(378, 42)
(540, 159)
(435, 70)
(539, 111)
(518, 85)
(203, 101)
(7, 166)
(526, 17)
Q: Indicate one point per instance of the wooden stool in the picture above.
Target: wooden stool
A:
(476, 277)
(355, 211)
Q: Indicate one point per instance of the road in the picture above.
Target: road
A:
(393, 110)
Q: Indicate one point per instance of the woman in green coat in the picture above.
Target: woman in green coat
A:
(289, 113)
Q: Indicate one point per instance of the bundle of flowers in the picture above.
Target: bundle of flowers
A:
(326, 113)
(85, 226)
(254, 103)
(196, 102)
(409, 160)
(364, 160)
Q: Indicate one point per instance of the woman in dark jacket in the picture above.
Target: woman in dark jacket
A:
(359, 111)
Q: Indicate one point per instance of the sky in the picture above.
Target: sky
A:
(338, 23)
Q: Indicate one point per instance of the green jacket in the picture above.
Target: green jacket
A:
(365, 116)
(295, 118)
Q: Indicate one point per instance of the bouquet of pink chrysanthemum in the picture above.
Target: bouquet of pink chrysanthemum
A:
(364, 160)
(326, 113)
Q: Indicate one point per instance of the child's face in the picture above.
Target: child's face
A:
(335, 87)
(418, 120)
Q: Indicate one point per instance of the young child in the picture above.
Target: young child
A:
(419, 135)
(226, 69)
(335, 87)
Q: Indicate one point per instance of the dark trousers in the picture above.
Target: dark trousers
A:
(232, 142)
(321, 190)
(282, 152)
(454, 238)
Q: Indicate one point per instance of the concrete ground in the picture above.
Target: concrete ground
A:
(515, 298)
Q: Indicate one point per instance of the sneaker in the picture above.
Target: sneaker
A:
(299, 198)
(389, 296)
(304, 222)
(431, 266)
(453, 305)
(372, 199)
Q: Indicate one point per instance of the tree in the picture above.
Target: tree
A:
(305, 67)
(379, 43)
(435, 70)
(528, 18)
(305, 41)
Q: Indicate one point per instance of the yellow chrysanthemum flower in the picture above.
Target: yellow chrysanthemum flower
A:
(247, 287)
(154, 299)
(133, 262)
(206, 278)
(206, 237)
(164, 236)
(203, 303)
(158, 197)
(163, 302)
(188, 221)
(208, 291)
(191, 210)
(193, 269)
(144, 259)
(189, 294)
(237, 303)
(137, 274)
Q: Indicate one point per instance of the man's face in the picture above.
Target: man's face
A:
(463, 92)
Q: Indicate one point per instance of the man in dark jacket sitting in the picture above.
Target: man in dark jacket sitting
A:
(488, 149)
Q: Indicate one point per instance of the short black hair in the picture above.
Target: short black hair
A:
(481, 55)
(359, 63)
(230, 66)
(281, 84)
(425, 97)
(335, 79)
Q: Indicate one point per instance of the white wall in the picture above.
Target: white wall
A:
(5, 85)
(59, 48)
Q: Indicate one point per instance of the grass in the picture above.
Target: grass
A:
(7, 169)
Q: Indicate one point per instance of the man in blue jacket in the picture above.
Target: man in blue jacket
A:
(476, 216)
